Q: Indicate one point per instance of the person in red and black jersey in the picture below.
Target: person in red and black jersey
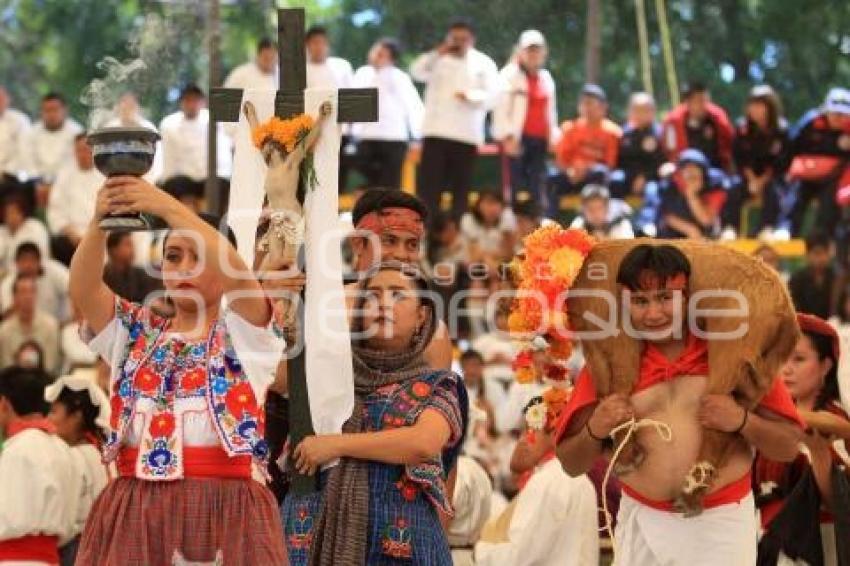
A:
(820, 148)
(760, 151)
(691, 199)
(700, 124)
(798, 500)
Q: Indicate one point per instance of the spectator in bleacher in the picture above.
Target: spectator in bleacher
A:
(28, 323)
(690, 200)
(529, 217)
(261, 73)
(50, 144)
(525, 118)
(700, 124)
(812, 285)
(446, 248)
(29, 355)
(640, 154)
(184, 149)
(461, 85)
(480, 391)
(18, 228)
(589, 140)
(128, 114)
(488, 230)
(382, 145)
(51, 279)
(820, 150)
(760, 150)
(14, 129)
(603, 217)
(120, 273)
(70, 206)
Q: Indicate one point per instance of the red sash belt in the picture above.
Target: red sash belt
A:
(732, 493)
(35, 548)
(198, 462)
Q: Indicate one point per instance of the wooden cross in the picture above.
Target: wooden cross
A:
(353, 105)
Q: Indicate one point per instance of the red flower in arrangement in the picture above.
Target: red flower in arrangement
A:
(193, 379)
(523, 360)
(162, 425)
(240, 399)
(556, 372)
(147, 380)
(421, 389)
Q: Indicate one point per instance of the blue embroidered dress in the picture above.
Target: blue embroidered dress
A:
(404, 526)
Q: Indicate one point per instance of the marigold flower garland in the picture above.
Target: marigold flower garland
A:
(287, 132)
(552, 259)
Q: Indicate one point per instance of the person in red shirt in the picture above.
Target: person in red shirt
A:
(672, 389)
(589, 140)
(525, 118)
(797, 499)
(698, 123)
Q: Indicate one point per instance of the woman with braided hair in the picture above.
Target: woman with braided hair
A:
(380, 503)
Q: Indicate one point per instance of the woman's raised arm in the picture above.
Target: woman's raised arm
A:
(86, 287)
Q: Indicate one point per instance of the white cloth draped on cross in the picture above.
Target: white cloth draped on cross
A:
(330, 381)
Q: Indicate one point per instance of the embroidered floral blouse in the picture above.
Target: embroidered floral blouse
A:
(168, 392)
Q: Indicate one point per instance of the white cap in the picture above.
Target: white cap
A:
(531, 37)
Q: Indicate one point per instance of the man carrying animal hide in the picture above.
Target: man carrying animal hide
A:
(672, 395)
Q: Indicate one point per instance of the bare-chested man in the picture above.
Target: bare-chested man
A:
(671, 389)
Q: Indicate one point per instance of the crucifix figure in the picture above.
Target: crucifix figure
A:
(353, 105)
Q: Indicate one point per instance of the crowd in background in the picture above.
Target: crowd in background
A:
(688, 174)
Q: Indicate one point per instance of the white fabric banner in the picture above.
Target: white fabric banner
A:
(330, 377)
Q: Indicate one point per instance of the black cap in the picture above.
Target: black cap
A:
(594, 91)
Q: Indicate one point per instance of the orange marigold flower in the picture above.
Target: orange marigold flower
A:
(526, 375)
(288, 133)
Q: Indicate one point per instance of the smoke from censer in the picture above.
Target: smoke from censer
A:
(155, 51)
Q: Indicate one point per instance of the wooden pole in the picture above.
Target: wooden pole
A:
(667, 47)
(212, 191)
(643, 43)
(593, 48)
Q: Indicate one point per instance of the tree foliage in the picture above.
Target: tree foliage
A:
(802, 48)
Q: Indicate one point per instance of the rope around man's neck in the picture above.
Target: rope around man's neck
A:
(631, 426)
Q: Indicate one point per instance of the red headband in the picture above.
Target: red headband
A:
(817, 325)
(394, 218)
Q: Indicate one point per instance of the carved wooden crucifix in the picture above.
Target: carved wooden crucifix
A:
(354, 105)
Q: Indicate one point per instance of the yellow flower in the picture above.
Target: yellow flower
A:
(566, 263)
(525, 375)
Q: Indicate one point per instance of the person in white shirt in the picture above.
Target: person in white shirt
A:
(184, 149)
(80, 411)
(471, 501)
(36, 471)
(604, 217)
(525, 118)
(462, 84)
(70, 206)
(324, 71)
(51, 280)
(14, 128)
(50, 144)
(382, 145)
(18, 228)
(261, 73)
